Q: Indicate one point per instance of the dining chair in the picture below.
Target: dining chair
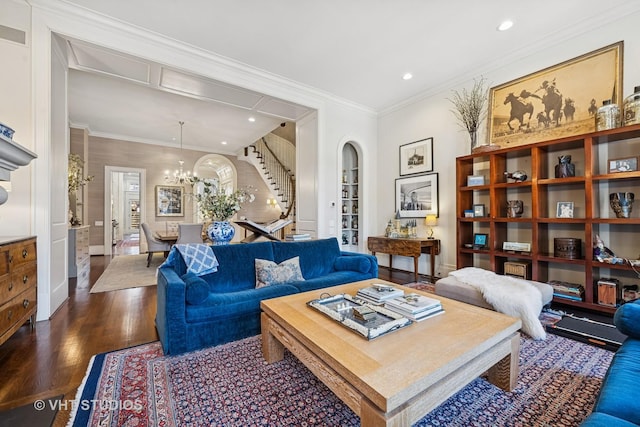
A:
(189, 233)
(153, 244)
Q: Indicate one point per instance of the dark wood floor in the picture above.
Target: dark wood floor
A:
(53, 359)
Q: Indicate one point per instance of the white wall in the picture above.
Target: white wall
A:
(432, 117)
(16, 112)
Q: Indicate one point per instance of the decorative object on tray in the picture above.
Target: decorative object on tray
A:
(515, 208)
(469, 109)
(621, 203)
(565, 168)
(517, 176)
(555, 102)
(341, 308)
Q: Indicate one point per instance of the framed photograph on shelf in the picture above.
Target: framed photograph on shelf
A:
(169, 200)
(628, 164)
(480, 241)
(468, 213)
(473, 180)
(479, 210)
(417, 196)
(564, 210)
(416, 157)
(555, 102)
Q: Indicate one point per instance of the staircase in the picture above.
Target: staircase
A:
(275, 158)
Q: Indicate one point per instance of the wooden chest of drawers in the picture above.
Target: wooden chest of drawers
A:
(18, 284)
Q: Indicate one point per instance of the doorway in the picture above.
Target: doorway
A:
(124, 191)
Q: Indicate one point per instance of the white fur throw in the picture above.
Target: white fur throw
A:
(509, 295)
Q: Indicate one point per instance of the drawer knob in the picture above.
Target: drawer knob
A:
(10, 286)
(25, 303)
(9, 314)
(25, 253)
(10, 258)
(25, 278)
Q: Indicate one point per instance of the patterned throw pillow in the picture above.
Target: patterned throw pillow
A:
(269, 273)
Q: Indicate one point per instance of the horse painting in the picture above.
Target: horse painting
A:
(552, 100)
(518, 110)
(569, 109)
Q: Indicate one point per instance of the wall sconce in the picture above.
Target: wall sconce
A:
(430, 221)
(272, 203)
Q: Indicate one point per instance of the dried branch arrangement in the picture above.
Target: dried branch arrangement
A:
(470, 105)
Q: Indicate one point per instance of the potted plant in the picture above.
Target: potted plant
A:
(218, 205)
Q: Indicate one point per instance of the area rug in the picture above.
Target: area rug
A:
(231, 385)
(128, 271)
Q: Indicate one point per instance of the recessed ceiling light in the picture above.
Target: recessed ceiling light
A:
(505, 25)
(224, 143)
(407, 76)
(252, 119)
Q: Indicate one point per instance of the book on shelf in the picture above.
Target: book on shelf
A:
(378, 293)
(413, 304)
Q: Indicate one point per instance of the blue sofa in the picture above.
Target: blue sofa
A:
(229, 309)
(618, 403)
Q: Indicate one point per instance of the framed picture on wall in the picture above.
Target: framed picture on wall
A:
(555, 102)
(417, 196)
(169, 200)
(416, 157)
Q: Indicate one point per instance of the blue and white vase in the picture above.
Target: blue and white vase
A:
(221, 232)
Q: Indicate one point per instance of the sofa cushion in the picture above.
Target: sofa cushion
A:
(196, 289)
(269, 273)
(620, 394)
(235, 269)
(598, 419)
(354, 263)
(316, 256)
(332, 279)
(627, 319)
(230, 305)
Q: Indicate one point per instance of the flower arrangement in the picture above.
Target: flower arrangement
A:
(470, 108)
(216, 203)
(76, 180)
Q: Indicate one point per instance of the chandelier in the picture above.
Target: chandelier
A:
(179, 176)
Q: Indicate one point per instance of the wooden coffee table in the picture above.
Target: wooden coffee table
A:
(395, 379)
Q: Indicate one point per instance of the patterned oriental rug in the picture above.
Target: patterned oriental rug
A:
(231, 385)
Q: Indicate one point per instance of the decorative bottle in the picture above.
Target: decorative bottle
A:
(631, 108)
(608, 116)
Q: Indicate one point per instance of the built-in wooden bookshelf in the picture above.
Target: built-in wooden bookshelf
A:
(539, 224)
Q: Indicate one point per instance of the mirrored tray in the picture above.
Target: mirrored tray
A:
(340, 308)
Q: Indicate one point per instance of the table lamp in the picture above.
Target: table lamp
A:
(430, 221)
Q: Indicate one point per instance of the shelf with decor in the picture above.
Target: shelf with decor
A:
(557, 211)
(350, 203)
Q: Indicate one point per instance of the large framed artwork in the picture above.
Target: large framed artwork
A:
(416, 157)
(169, 200)
(417, 196)
(556, 102)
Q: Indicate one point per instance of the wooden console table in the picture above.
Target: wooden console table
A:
(412, 247)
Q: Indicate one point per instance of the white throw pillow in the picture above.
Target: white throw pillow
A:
(269, 273)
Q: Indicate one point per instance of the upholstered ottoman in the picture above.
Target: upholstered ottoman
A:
(451, 287)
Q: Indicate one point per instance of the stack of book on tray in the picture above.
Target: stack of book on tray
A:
(566, 290)
(378, 293)
(296, 237)
(415, 307)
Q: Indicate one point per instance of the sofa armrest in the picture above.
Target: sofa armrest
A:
(171, 311)
(627, 319)
(373, 261)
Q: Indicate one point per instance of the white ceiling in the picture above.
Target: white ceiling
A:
(356, 50)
